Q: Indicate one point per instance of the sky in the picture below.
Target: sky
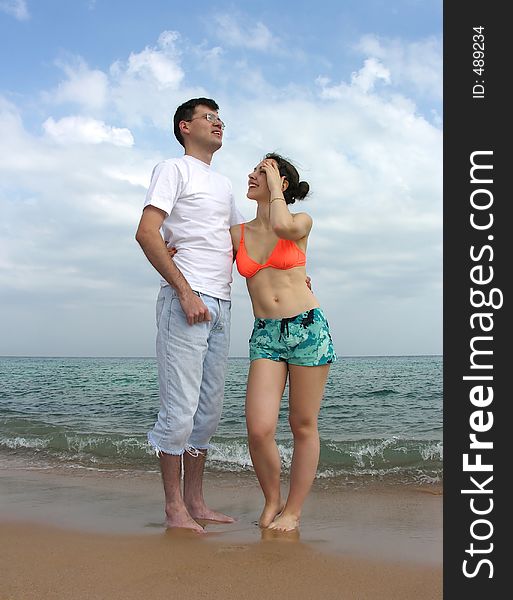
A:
(351, 91)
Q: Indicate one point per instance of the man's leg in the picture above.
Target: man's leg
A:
(193, 490)
(181, 349)
(208, 413)
(177, 514)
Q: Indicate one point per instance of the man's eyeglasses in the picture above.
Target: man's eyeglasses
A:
(211, 118)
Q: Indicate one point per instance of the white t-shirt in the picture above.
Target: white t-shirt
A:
(200, 211)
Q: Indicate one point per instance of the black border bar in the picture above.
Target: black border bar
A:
(477, 274)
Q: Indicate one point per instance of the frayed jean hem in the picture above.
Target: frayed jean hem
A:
(189, 448)
(199, 446)
(161, 450)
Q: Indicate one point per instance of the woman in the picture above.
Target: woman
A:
(290, 337)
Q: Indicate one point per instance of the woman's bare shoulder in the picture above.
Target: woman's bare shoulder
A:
(303, 216)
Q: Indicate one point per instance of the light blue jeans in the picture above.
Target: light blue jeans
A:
(191, 363)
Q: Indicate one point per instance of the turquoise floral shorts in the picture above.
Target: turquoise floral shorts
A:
(301, 340)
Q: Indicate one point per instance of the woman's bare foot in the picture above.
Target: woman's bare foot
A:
(271, 510)
(285, 522)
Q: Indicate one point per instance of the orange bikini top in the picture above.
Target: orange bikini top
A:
(285, 255)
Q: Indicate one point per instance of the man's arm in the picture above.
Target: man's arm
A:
(149, 238)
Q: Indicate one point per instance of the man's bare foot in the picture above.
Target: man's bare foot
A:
(285, 522)
(270, 512)
(203, 513)
(179, 517)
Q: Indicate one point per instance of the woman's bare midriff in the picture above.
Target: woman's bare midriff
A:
(277, 293)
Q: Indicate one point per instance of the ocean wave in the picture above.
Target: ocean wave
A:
(377, 458)
(94, 446)
(382, 392)
(385, 452)
(13, 443)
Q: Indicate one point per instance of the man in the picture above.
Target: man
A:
(194, 206)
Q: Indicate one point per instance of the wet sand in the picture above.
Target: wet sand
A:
(99, 535)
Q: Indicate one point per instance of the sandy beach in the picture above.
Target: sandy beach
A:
(99, 535)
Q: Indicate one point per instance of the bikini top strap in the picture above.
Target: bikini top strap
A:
(242, 233)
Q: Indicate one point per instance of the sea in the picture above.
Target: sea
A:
(380, 420)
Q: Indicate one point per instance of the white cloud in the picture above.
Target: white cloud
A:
(83, 86)
(141, 89)
(84, 130)
(417, 64)
(156, 66)
(371, 71)
(16, 8)
(16, 148)
(362, 81)
(255, 36)
(69, 217)
(146, 87)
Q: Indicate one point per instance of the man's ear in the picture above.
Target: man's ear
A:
(184, 127)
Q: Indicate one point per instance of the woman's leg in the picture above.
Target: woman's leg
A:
(266, 382)
(306, 388)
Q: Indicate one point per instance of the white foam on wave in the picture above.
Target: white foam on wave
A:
(22, 442)
(433, 451)
(234, 455)
(371, 451)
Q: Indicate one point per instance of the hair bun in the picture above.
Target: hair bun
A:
(302, 190)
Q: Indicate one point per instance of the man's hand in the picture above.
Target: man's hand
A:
(194, 308)
(309, 283)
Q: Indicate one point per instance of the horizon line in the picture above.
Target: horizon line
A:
(238, 357)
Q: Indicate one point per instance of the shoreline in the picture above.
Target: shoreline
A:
(90, 535)
(372, 520)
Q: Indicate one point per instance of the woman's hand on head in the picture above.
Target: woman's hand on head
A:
(274, 179)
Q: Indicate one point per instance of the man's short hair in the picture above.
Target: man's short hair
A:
(185, 112)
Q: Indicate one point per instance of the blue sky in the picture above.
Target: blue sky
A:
(351, 91)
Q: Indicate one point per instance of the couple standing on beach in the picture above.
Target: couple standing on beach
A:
(202, 231)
